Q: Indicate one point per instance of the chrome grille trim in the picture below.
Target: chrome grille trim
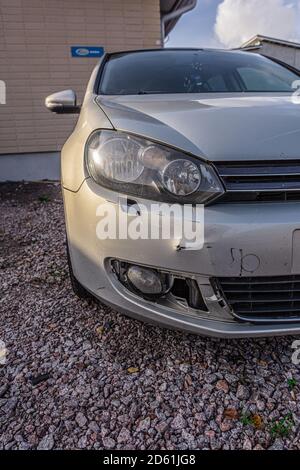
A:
(265, 181)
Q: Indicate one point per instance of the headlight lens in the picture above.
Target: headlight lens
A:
(109, 157)
(138, 167)
(181, 177)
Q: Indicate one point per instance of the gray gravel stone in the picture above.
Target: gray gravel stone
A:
(81, 420)
(46, 443)
(178, 422)
(162, 426)
(144, 425)
(242, 392)
(185, 386)
(109, 443)
(247, 445)
(277, 445)
(124, 436)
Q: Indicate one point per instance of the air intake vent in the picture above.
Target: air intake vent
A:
(262, 299)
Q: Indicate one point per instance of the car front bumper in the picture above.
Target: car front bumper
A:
(240, 240)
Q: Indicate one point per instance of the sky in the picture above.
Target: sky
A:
(230, 23)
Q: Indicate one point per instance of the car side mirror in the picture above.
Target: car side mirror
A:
(63, 102)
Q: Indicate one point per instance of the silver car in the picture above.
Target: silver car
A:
(217, 132)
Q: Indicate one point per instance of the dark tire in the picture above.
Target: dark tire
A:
(78, 289)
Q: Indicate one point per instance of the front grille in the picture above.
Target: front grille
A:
(262, 299)
(260, 181)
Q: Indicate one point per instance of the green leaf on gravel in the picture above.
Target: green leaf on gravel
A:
(283, 427)
(44, 199)
(254, 420)
(292, 383)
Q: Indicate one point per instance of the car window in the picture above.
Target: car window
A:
(256, 79)
(193, 71)
(217, 82)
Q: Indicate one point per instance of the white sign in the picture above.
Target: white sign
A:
(2, 92)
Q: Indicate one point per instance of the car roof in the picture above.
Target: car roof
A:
(179, 49)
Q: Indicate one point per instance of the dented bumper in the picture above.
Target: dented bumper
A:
(241, 241)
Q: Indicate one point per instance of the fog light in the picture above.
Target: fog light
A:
(149, 283)
(145, 280)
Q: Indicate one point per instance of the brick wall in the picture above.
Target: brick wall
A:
(35, 59)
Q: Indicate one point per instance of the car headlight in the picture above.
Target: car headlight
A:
(138, 167)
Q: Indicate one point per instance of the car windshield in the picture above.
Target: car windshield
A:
(193, 71)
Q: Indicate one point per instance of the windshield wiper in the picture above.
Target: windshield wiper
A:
(150, 92)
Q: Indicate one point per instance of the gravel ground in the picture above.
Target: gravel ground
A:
(79, 375)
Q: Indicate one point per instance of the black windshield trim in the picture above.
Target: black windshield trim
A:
(108, 56)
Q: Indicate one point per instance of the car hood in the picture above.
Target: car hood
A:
(217, 127)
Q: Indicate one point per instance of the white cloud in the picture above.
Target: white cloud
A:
(239, 20)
